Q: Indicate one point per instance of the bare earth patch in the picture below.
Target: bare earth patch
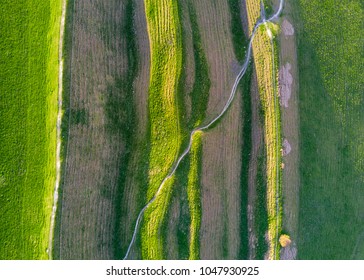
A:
(289, 252)
(286, 147)
(285, 84)
(287, 28)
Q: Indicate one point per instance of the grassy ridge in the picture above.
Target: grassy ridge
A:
(268, 89)
(165, 136)
(28, 112)
(194, 195)
(330, 58)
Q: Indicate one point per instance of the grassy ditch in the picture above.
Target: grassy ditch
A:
(28, 112)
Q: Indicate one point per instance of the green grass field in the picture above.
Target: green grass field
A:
(28, 110)
(331, 79)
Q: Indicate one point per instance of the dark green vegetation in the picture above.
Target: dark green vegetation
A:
(121, 119)
(261, 213)
(240, 45)
(246, 152)
(200, 92)
(28, 110)
(330, 46)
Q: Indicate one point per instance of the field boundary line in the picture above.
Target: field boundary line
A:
(58, 128)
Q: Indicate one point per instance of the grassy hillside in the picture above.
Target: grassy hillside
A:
(331, 78)
(28, 110)
(165, 135)
(266, 65)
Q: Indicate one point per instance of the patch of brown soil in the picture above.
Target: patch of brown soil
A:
(285, 84)
(287, 28)
(172, 241)
(286, 147)
(289, 252)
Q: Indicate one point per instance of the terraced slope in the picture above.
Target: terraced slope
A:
(165, 134)
(28, 111)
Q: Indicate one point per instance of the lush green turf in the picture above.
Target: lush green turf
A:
(28, 111)
(165, 135)
(331, 79)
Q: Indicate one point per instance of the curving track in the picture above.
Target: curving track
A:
(205, 127)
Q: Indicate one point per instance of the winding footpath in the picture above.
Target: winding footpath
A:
(205, 127)
(59, 125)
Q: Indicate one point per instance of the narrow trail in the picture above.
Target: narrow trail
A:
(208, 125)
(59, 124)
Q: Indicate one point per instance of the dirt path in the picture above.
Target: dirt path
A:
(288, 85)
(58, 127)
(213, 121)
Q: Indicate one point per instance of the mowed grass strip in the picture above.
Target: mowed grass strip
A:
(194, 195)
(267, 76)
(28, 111)
(165, 135)
(330, 59)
